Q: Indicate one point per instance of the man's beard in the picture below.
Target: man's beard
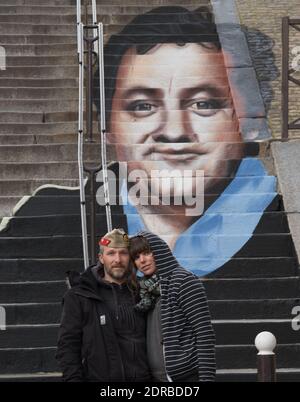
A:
(118, 274)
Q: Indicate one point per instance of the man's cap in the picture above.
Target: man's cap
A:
(117, 238)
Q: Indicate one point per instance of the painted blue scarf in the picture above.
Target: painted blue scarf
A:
(226, 226)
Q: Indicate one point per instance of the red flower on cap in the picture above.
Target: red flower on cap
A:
(104, 241)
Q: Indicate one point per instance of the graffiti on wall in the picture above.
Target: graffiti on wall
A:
(176, 107)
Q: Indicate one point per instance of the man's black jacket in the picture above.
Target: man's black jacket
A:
(100, 332)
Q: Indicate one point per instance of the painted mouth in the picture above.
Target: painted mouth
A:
(177, 152)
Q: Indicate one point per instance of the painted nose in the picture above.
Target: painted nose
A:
(175, 128)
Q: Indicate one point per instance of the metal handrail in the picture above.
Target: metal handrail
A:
(94, 22)
(103, 129)
(80, 50)
(97, 35)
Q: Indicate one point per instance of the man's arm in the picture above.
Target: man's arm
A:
(192, 299)
(70, 339)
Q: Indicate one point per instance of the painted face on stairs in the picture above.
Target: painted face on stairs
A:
(172, 109)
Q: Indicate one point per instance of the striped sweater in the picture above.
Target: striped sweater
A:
(188, 336)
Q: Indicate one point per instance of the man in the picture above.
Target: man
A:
(102, 336)
(180, 337)
(169, 107)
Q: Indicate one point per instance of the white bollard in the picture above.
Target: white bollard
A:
(265, 343)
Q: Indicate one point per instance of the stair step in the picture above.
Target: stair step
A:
(103, 10)
(31, 336)
(41, 50)
(286, 266)
(38, 105)
(15, 118)
(45, 313)
(259, 267)
(33, 360)
(20, 227)
(43, 128)
(242, 375)
(38, 117)
(33, 377)
(39, 2)
(280, 242)
(239, 289)
(250, 375)
(27, 187)
(248, 288)
(37, 29)
(32, 292)
(22, 18)
(227, 333)
(30, 360)
(49, 152)
(241, 356)
(103, 2)
(36, 10)
(38, 39)
(32, 313)
(38, 82)
(29, 139)
(65, 116)
(252, 309)
(15, 61)
(243, 332)
(51, 170)
(56, 201)
(38, 269)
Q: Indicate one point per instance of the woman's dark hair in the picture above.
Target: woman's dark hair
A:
(159, 26)
(138, 245)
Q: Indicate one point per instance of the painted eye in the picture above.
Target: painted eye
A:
(206, 105)
(206, 108)
(143, 107)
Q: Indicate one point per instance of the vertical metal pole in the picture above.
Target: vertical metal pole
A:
(285, 78)
(266, 368)
(78, 12)
(89, 89)
(94, 14)
(103, 128)
(80, 147)
(93, 217)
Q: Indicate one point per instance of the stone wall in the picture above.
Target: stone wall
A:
(265, 16)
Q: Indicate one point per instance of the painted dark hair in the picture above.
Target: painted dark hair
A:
(159, 26)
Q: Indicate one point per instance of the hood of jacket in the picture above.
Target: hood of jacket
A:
(86, 284)
(164, 258)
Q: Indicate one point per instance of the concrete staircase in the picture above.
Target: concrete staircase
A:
(39, 99)
(38, 123)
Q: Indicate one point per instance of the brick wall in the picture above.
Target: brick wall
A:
(265, 16)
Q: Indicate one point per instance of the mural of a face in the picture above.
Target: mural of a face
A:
(174, 103)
